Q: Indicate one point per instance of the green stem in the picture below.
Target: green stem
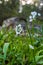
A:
(34, 63)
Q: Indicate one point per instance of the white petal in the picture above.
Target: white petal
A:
(31, 46)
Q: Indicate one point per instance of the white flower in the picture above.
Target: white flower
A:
(31, 47)
(18, 29)
(30, 18)
(39, 14)
(34, 13)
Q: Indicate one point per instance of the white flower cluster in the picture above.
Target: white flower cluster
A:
(33, 15)
(18, 29)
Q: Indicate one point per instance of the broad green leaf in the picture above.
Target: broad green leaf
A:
(5, 48)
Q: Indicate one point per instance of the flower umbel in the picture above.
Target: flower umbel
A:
(18, 29)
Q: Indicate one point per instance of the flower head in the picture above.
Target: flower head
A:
(18, 29)
(34, 13)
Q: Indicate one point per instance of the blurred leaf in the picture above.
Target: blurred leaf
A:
(1, 56)
(40, 62)
(37, 58)
(5, 49)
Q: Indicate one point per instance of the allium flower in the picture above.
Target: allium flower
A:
(31, 47)
(32, 16)
(34, 13)
(18, 29)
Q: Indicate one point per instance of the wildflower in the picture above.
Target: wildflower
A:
(39, 14)
(34, 13)
(31, 47)
(18, 29)
(30, 18)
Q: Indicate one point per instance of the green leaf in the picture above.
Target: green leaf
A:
(40, 62)
(1, 56)
(39, 52)
(5, 48)
(37, 58)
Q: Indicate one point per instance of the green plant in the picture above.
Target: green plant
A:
(20, 50)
